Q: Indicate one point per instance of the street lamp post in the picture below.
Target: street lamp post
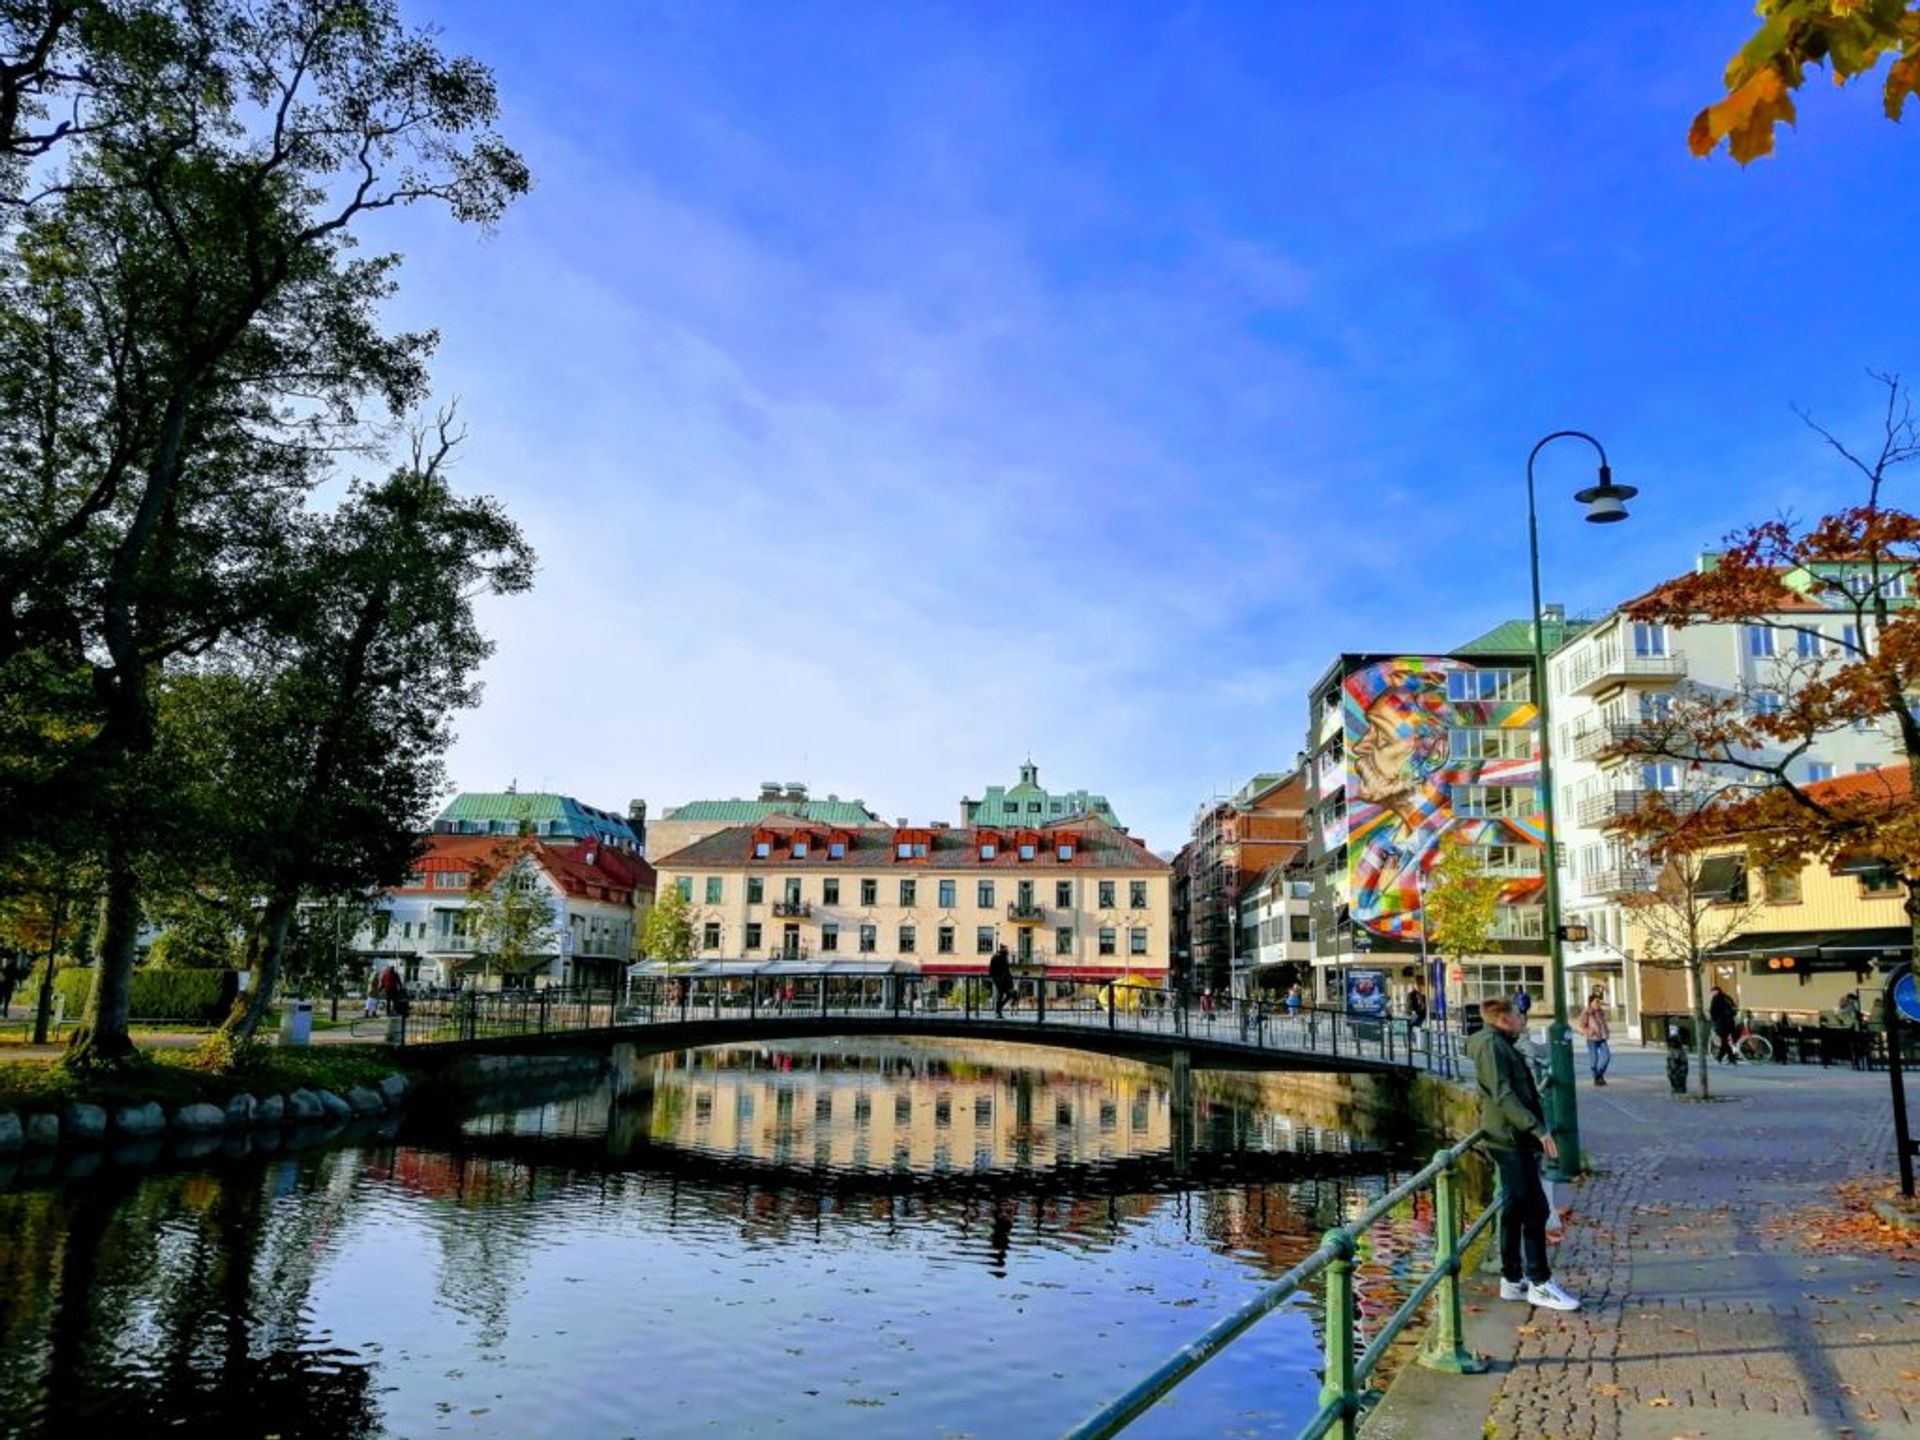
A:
(1605, 505)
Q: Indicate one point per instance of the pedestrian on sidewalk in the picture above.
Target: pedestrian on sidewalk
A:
(1722, 1014)
(1416, 1007)
(1516, 1128)
(1597, 1032)
(1000, 976)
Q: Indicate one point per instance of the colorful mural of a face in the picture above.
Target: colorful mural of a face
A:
(1399, 717)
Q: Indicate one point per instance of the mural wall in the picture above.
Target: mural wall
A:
(1436, 747)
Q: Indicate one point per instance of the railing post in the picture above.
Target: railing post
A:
(1040, 1002)
(753, 998)
(543, 1012)
(822, 982)
(1446, 1348)
(1338, 1384)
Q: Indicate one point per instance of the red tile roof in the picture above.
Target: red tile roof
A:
(1890, 783)
(613, 872)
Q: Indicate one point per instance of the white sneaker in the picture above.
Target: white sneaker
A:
(1513, 1289)
(1549, 1297)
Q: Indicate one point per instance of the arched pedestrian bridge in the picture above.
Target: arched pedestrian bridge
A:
(1129, 1021)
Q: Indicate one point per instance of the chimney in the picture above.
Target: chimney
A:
(796, 790)
(900, 823)
(637, 816)
(1554, 614)
(769, 789)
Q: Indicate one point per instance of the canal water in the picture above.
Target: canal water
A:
(854, 1239)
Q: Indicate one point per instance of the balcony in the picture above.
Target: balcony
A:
(1623, 880)
(792, 909)
(1625, 739)
(1025, 912)
(1608, 665)
(1600, 811)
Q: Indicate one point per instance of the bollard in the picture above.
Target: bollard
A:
(1446, 1348)
(1338, 1384)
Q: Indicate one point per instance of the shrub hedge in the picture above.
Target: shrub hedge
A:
(198, 995)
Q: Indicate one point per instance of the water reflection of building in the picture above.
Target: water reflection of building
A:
(909, 1112)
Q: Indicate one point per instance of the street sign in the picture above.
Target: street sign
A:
(1906, 996)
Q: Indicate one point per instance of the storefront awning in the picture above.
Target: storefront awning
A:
(1809, 951)
(749, 969)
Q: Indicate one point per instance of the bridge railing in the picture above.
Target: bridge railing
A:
(1119, 1006)
(1344, 1389)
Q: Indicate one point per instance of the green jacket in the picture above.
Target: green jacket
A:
(1510, 1110)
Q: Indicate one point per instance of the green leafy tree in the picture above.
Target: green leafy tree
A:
(511, 914)
(666, 929)
(188, 341)
(1851, 37)
(1461, 903)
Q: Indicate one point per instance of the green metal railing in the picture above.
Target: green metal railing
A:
(1344, 1390)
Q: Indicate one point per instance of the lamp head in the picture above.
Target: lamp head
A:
(1606, 502)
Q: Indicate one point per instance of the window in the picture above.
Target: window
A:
(911, 850)
(1894, 587)
(836, 849)
(1063, 940)
(869, 892)
(1655, 708)
(909, 891)
(761, 849)
(983, 899)
(1760, 641)
(1818, 770)
(1137, 941)
(1489, 685)
(1107, 946)
(829, 937)
(983, 940)
(948, 898)
(1649, 641)
(1026, 852)
(1106, 894)
(1880, 881)
(753, 935)
(1057, 807)
(1766, 702)
(1299, 929)
(1659, 775)
(907, 939)
(943, 940)
(1850, 640)
(756, 890)
(710, 935)
(988, 849)
(715, 888)
(792, 890)
(1065, 851)
(1012, 807)
(684, 884)
(1136, 894)
(452, 880)
(1807, 644)
(1488, 743)
(1781, 885)
(1063, 894)
(869, 939)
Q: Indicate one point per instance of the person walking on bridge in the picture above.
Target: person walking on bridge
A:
(1000, 975)
(1516, 1126)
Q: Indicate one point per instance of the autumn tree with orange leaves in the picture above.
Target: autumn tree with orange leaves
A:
(1850, 37)
(1857, 565)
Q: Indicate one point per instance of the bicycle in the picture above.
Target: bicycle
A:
(1750, 1045)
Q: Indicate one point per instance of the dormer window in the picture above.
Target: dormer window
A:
(761, 849)
(988, 849)
(1026, 852)
(799, 849)
(836, 849)
(1065, 852)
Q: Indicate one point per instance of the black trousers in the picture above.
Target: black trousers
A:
(1523, 1215)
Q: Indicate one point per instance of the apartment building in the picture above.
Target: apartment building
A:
(1403, 750)
(1621, 674)
(1234, 841)
(1078, 899)
(425, 927)
(1275, 914)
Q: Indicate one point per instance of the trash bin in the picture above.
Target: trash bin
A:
(296, 1023)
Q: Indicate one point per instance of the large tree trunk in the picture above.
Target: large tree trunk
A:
(251, 1008)
(103, 1038)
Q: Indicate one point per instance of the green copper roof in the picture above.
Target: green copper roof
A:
(1515, 637)
(746, 812)
(560, 815)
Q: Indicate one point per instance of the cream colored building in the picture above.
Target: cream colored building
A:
(1790, 944)
(1076, 899)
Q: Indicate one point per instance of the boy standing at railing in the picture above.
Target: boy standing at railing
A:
(1516, 1129)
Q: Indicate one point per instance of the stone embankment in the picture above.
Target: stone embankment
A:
(74, 1125)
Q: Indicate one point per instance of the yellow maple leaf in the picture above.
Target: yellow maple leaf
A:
(1745, 119)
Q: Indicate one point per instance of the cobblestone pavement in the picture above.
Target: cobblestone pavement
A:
(1712, 1307)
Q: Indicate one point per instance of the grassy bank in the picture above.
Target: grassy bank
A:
(169, 1076)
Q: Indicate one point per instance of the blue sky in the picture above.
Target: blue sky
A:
(896, 391)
